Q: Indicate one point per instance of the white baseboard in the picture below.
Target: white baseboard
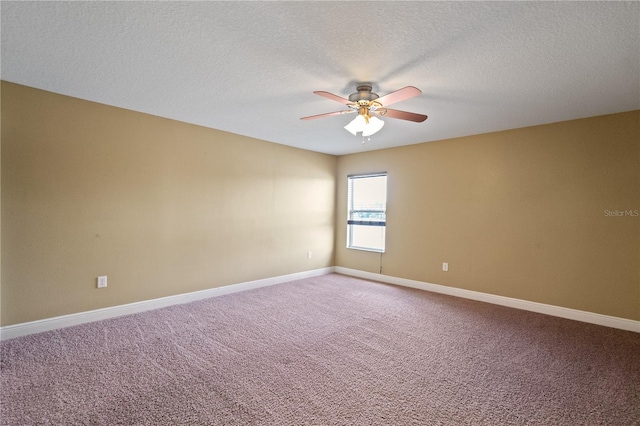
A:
(556, 311)
(23, 329)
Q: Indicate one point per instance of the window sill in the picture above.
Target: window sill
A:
(366, 249)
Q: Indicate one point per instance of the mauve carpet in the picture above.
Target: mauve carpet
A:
(331, 350)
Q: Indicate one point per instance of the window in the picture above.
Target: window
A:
(367, 215)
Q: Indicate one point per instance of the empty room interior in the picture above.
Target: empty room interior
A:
(287, 213)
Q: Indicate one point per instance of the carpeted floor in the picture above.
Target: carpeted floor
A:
(330, 350)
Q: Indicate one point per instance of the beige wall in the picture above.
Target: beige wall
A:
(519, 213)
(0, 203)
(160, 207)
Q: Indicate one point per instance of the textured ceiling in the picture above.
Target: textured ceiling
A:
(251, 67)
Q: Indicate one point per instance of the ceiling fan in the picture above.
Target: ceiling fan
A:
(369, 107)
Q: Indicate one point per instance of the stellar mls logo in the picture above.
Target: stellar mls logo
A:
(620, 213)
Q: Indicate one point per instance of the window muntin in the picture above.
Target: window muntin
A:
(367, 211)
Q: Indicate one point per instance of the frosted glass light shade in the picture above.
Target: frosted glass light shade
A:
(359, 124)
(356, 125)
(373, 126)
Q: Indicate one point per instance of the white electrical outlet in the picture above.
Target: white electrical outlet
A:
(445, 266)
(308, 255)
(102, 281)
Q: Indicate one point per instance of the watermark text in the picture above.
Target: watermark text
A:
(622, 213)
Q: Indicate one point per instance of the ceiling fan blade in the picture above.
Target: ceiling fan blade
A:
(403, 115)
(333, 97)
(398, 95)
(328, 114)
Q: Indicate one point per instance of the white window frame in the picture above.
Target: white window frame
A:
(351, 212)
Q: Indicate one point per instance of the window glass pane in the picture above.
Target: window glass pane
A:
(367, 237)
(368, 193)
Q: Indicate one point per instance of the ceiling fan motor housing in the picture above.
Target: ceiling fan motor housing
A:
(364, 93)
